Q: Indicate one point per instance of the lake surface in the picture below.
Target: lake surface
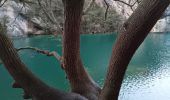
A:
(147, 76)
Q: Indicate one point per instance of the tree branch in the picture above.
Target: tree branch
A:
(18, 14)
(107, 8)
(133, 33)
(86, 10)
(45, 52)
(33, 87)
(3, 3)
(50, 18)
(124, 2)
(80, 80)
(128, 4)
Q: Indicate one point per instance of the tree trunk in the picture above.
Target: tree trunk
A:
(134, 32)
(32, 86)
(135, 29)
(16, 68)
(79, 79)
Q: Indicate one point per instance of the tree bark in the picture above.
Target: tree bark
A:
(135, 29)
(16, 68)
(79, 79)
(32, 86)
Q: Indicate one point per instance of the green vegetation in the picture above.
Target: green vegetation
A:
(94, 20)
(51, 16)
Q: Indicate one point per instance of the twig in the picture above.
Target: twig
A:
(18, 14)
(124, 2)
(3, 3)
(50, 18)
(88, 7)
(107, 8)
(128, 4)
(45, 52)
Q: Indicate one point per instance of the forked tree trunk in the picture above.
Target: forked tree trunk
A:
(79, 79)
(135, 29)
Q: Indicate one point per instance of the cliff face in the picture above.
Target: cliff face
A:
(18, 26)
(163, 25)
(125, 11)
(9, 16)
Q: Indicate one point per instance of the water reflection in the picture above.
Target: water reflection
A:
(148, 75)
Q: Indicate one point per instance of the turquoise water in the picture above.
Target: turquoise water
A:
(147, 77)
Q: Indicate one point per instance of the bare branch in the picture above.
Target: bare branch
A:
(123, 2)
(44, 10)
(33, 87)
(3, 3)
(18, 14)
(45, 52)
(50, 18)
(107, 8)
(88, 7)
(129, 3)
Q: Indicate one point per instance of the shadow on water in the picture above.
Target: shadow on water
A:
(147, 76)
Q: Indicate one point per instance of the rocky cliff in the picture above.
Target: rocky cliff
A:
(18, 26)
(163, 25)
